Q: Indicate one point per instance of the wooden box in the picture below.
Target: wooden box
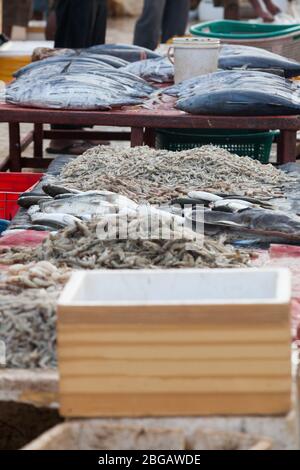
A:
(175, 342)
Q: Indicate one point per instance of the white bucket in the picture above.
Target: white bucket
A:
(194, 57)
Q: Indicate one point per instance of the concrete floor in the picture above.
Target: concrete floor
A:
(119, 31)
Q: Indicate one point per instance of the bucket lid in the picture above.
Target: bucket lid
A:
(196, 42)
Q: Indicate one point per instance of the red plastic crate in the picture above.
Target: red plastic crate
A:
(11, 186)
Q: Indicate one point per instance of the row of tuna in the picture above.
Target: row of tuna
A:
(83, 80)
(242, 92)
(112, 76)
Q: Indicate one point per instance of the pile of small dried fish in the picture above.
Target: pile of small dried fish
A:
(157, 176)
(35, 275)
(28, 327)
(28, 298)
(81, 247)
(29, 293)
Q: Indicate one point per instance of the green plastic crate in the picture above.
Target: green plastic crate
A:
(256, 145)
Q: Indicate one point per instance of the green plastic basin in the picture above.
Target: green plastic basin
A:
(228, 29)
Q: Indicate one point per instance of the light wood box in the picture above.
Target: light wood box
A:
(175, 342)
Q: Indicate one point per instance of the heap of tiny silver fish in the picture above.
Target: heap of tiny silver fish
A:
(28, 298)
(35, 275)
(157, 176)
(80, 246)
(29, 292)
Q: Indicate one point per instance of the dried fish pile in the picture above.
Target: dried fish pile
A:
(28, 297)
(28, 327)
(29, 293)
(158, 176)
(35, 276)
(80, 247)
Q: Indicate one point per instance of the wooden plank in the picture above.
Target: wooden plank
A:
(169, 368)
(146, 118)
(184, 404)
(219, 385)
(38, 387)
(208, 334)
(161, 384)
(159, 352)
(137, 136)
(238, 314)
(14, 147)
(38, 141)
(150, 137)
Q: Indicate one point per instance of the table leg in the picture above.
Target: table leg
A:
(137, 136)
(150, 137)
(14, 147)
(38, 140)
(286, 147)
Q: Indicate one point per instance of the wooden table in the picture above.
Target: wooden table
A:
(142, 123)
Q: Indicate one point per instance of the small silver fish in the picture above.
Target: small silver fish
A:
(56, 220)
(93, 203)
(231, 205)
(33, 209)
(55, 190)
(204, 196)
(31, 200)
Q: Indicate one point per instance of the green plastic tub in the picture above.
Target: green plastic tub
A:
(256, 145)
(280, 39)
(228, 29)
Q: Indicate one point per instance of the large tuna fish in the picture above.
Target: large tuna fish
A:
(235, 56)
(241, 93)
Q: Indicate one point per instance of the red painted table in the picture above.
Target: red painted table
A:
(142, 123)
